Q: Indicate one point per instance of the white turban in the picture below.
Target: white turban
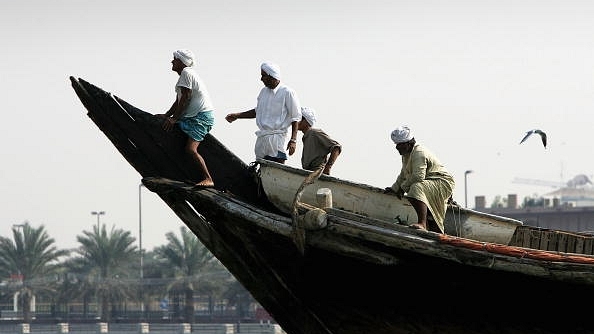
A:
(309, 115)
(186, 56)
(402, 134)
(271, 69)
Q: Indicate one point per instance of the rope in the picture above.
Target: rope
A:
(515, 251)
(255, 173)
(458, 221)
(298, 232)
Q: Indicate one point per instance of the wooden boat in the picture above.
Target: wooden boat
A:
(281, 182)
(351, 266)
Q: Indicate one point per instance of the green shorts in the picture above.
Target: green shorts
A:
(198, 126)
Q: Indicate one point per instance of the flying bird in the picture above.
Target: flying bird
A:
(543, 136)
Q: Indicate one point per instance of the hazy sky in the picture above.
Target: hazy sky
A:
(469, 77)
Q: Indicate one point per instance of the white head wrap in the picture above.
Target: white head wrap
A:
(309, 115)
(402, 134)
(271, 69)
(186, 56)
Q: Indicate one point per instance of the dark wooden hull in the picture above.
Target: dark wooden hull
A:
(353, 277)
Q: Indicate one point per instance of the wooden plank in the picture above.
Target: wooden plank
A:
(588, 245)
(562, 242)
(534, 238)
(545, 237)
(570, 243)
(552, 240)
(523, 236)
(579, 244)
(515, 240)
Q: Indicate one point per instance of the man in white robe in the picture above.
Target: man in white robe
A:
(277, 109)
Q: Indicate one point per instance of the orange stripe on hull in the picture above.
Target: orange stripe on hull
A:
(515, 251)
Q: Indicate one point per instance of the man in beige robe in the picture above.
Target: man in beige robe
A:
(423, 180)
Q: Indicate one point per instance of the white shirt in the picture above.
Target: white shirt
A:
(200, 100)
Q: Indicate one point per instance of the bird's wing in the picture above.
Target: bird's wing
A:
(526, 136)
(544, 139)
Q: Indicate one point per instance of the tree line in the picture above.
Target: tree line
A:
(107, 270)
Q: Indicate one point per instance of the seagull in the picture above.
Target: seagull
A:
(543, 136)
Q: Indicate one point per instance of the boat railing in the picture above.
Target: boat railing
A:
(553, 240)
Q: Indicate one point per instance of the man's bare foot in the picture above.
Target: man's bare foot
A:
(418, 227)
(206, 183)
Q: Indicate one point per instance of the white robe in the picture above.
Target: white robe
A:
(276, 110)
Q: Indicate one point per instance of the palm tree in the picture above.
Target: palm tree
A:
(105, 262)
(68, 290)
(30, 259)
(194, 267)
(238, 296)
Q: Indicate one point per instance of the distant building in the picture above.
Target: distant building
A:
(573, 196)
(569, 209)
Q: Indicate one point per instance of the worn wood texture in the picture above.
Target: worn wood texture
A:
(357, 275)
(138, 136)
(354, 275)
(553, 240)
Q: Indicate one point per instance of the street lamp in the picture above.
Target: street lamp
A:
(140, 245)
(466, 188)
(98, 214)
